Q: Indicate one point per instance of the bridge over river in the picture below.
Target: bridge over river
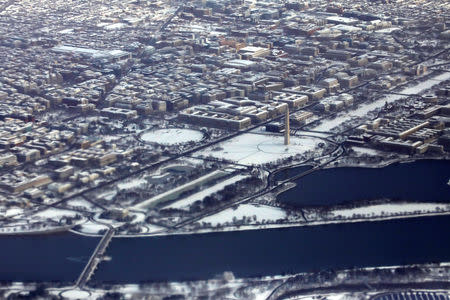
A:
(95, 258)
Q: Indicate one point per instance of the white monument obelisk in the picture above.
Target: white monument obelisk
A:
(286, 128)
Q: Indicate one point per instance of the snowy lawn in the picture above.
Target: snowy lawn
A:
(54, 213)
(13, 211)
(390, 208)
(134, 183)
(366, 151)
(108, 195)
(246, 210)
(92, 228)
(76, 294)
(172, 136)
(255, 149)
(186, 202)
(174, 193)
(139, 217)
(153, 228)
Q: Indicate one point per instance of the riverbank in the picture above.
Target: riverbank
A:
(253, 253)
(350, 284)
(39, 231)
(308, 218)
(249, 253)
(277, 226)
(384, 163)
(231, 219)
(418, 181)
(368, 283)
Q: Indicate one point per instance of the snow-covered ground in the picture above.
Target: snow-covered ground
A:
(341, 296)
(153, 228)
(172, 136)
(173, 193)
(186, 202)
(55, 213)
(367, 151)
(246, 210)
(390, 208)
(258, 149)
(388, 30)
(76, 294)
(364, 109)
(112, 222)
(92, 228)
(262, 295)
(108, 195)
(13, 211)
(139, 217)
(82, 204)
(131, 184)
(328, 124)
(310, 133)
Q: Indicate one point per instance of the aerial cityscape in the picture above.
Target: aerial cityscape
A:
(225, 149)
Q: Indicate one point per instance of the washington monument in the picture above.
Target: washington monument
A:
(286, 128)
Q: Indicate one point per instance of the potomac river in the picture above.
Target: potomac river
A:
(61, 257)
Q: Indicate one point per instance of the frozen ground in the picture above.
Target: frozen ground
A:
(328, 124)
(153, 228)
(131, 184)
(172, 136)
(139, 217)
(390, 208)
(107, 195)
(173, 193)
(262, 295)
(256, 149)
(186, 202)
(13, 211)
(364, 109)
(246, 210)
(310, 133)
(76, 294)
(83, 204)
(54, 213)
(367, 151)
(92, 228)
(325, 297)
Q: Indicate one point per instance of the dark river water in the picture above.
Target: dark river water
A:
(55, 257)
(61, 257)
(274, 251)
(424, 180)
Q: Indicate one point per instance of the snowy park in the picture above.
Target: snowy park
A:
(172, 136)
(258, 149)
